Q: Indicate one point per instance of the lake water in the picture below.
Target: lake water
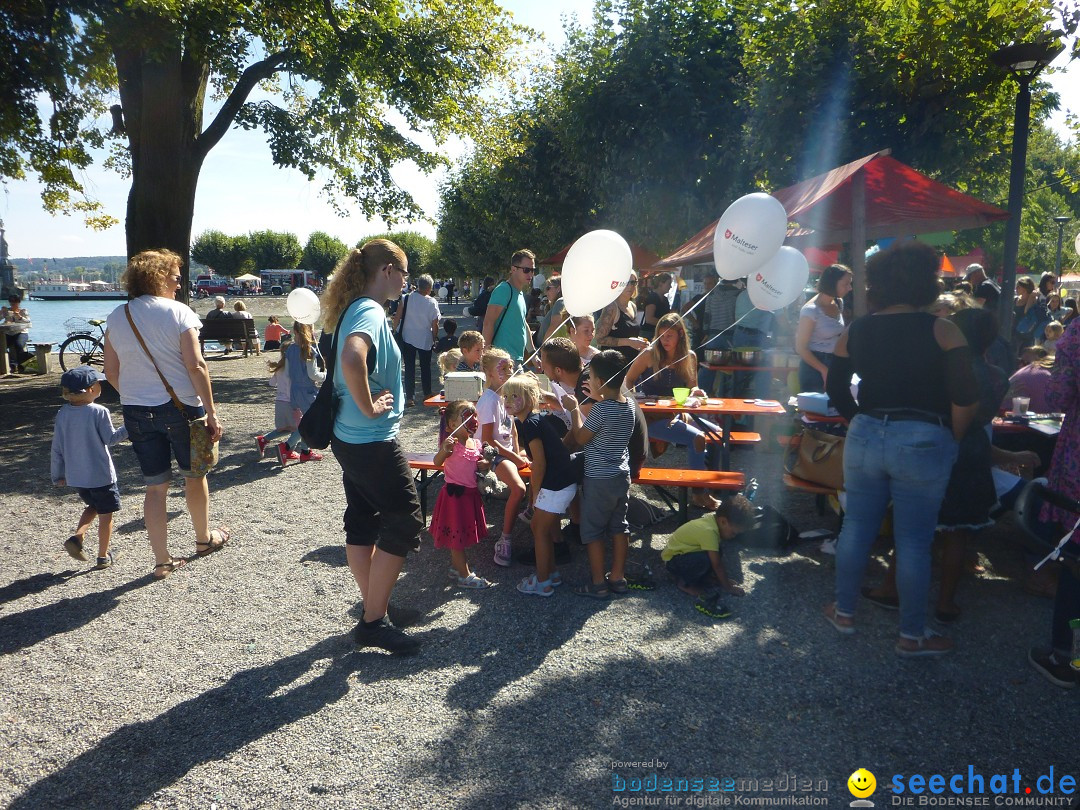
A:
(47, 317)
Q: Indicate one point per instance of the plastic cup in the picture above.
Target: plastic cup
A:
(1075, 662)
(680, 395)
(1021, 405)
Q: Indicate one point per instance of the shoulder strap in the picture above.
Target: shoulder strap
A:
(172, 394)
(498, 323)
(404, 312)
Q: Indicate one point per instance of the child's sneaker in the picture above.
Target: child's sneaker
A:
(285, 455)
(106, 561)
(260, 442)
(74, 547)
(502, 551)
(310, 455)
(710, 604)
(526, 514)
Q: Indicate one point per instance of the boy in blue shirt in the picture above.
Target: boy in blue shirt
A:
(80, 459)
(605, 433)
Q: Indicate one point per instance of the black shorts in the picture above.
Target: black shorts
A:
(382, 507)
(103, 500)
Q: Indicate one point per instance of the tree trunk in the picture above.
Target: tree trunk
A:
(162, 91)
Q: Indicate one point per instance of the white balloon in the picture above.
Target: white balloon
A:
(303, 305)
(595, 271)
(749, 233)
(780, 281)
(1076, 244)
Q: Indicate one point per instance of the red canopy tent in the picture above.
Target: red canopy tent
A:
(870, 198)
(643, 257)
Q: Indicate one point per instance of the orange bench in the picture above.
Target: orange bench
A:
(657, 477)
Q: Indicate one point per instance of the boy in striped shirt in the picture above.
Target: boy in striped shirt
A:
(605, 433)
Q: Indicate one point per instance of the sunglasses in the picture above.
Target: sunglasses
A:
(529, 270)
(632, 282)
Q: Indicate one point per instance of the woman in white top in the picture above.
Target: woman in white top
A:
(821, 322)
(157, 429)
(419, 333)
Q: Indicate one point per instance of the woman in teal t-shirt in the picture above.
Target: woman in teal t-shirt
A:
(382, 514)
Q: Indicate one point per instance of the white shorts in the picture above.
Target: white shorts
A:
(555, 501)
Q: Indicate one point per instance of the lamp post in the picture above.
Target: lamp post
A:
(1025, 61)
(1061, 236)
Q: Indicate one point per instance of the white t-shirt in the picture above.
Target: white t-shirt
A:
(422, 310)
(161, 322)
(491, 410)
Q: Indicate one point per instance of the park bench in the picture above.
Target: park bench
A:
(227, 330)
(657, 477)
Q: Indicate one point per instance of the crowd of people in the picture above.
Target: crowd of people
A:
(918, 437)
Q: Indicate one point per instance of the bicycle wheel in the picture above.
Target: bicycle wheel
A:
(82, 350)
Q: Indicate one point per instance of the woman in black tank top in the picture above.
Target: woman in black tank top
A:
(917, 396)
(617, 328)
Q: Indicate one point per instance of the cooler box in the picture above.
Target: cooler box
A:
(464, 385)
(814, 402)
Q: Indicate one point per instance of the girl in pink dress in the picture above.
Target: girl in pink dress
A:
(458, 519)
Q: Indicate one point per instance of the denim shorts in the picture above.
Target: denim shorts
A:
(103, 500)
(158, 434)
(603, 508)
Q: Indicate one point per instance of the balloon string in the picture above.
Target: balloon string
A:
(657, 337)
(710, 340)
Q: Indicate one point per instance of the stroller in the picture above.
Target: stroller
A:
(1029, 508)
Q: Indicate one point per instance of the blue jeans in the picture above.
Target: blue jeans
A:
(691, 568)
(908, 463)
(682, 433)
(706, 377)
(810, 377)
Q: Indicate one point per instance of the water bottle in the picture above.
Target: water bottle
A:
(751, 492)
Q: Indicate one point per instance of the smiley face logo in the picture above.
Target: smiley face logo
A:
(861, 783)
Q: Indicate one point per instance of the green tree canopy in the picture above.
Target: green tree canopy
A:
(273, 249)
(419, 249)
(227, 255)
(322, 252)
(661, 112)
(328, 75)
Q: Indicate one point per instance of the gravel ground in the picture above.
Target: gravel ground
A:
(234, 683)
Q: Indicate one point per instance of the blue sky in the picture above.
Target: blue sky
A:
(240, 189)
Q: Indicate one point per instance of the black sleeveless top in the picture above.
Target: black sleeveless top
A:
(624, 327)
(902, 367)
(662, 383)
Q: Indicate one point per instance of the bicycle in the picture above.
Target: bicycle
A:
(82, 347)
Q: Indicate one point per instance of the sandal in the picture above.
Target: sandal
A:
(473, 583)
(217, 541)
(535, 587)
(616, 585)
(593, 591)
(555, 579)
(834, 618)
(929, 645)
(74, 547)
(106, 561)
(164, 569)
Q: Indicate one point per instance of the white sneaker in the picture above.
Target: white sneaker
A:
(502, 552)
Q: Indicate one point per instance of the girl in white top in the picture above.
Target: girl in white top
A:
(497, 431)
(582, 329)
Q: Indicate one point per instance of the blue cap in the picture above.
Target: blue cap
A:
(77, 380)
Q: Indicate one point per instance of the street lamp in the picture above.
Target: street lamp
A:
(1061, 236)
(1024, 60)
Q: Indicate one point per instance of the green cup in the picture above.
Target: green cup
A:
(680, 395)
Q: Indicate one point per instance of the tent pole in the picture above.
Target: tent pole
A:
(858, 240)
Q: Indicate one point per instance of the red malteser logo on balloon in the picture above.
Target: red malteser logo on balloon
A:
(614, 285)
(728, 234)
(760, 277)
